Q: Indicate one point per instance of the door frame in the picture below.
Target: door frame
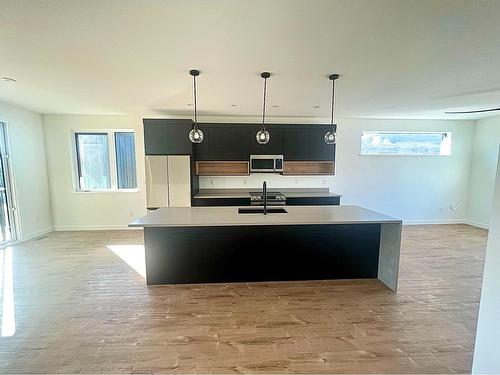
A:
(10, 187)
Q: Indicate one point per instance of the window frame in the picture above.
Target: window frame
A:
(403, 132)
(110, 133)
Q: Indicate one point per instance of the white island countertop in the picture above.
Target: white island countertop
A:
(228, 216)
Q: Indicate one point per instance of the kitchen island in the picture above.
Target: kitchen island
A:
(218, 244)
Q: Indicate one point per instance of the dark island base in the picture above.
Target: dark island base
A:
(186, 255)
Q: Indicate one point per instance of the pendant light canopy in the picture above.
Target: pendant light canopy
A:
(331, 136)
(195, 135)
(262, 135)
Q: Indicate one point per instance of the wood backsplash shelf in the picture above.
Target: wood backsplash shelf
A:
(308, 168)
(222, 168)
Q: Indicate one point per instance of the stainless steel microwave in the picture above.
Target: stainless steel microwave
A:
(266, 163)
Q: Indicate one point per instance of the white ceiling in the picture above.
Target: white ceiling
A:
(397, 58)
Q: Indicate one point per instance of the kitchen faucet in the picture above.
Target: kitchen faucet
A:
(264, 192)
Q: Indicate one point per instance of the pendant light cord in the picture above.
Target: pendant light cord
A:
(333, 102)
(195, 108)
(264, 107)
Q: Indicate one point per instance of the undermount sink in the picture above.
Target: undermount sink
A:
(260, 210)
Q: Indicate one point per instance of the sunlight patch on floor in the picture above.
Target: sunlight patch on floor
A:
(133, 255)
(7, 293)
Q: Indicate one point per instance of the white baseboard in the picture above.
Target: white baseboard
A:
(61, 228)
(124, 227)
(31, 236)
(433, 221)
(477, 224)
(37, 234)
(445, 221)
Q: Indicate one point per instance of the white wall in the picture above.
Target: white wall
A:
(414, 188)
(29, 169)
(486, 358)
(80, 210)
(483, 169)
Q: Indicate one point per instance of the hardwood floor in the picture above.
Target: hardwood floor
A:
(80, 308)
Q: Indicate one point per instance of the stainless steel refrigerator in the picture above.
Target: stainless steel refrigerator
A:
(168, 181)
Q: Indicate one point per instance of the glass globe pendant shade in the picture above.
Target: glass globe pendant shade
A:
(262, 136)
(196, 135)
(331, 138)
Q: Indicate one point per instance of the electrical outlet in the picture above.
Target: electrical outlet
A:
(245, 181)
(130, 213)
(212, 181)
(324, 181)
(453, 205)
(296, 181)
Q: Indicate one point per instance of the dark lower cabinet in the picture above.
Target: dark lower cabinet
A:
(187, 255)
(313, 201)
(206, 202)
(296, 201)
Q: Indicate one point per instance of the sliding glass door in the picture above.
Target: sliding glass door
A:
(7, 226)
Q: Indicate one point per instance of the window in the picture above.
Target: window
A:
(125, 160)
(93, 161)
(105, 160)
(405, 143)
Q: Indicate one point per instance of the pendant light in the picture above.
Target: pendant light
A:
(195, 135)
(262, 135)
(331, 136)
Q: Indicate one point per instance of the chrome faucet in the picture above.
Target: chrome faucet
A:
(264, 192)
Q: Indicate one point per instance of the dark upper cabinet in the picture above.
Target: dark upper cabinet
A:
(202, 150)
(297, 144)
(167, 137)
(224, 142)
(273, 147)
(229, 142)
(237, 141)
(321, 150)
(307, 143)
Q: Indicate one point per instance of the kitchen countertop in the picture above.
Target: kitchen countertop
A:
(228, 216)
(244, 193)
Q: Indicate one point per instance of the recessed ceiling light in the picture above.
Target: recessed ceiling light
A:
(189, 104)
(315, 106)
(234, 105)
(9, 79)
(275, 106)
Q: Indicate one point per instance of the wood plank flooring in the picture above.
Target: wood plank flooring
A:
(80, 308)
